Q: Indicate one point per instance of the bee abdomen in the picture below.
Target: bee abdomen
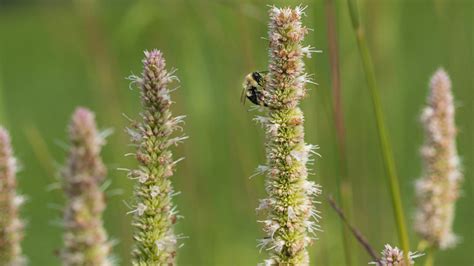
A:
(256, 96)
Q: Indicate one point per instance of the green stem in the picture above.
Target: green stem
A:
(343, 183)
(345, 195)
(429, 257)
(387, 153)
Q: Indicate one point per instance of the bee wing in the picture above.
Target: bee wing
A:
(243, 95)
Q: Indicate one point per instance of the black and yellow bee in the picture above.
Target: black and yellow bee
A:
(254, 88)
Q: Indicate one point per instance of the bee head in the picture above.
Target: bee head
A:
(257, 77)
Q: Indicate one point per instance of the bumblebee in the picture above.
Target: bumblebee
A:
(253, 88)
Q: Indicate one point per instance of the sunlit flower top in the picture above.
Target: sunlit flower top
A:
(290, 219)
(11, 226)
(393, 256)
(154, 212)
(85, 239)
(438, 189)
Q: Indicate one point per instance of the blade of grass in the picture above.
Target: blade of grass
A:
(3, 119)
(40, 150)
(386, 148)
(343, 183)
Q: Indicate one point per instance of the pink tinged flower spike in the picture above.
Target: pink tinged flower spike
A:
(393, 256)
(11, 226)
(438, 188)
(291, 217)
(85, 239)
(154, 213)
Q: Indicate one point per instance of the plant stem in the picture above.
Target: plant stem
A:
(387, 154)
(429, 257)
(343, 183)
(357, 234)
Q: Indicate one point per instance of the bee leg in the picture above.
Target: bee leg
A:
(256, 96)
(261, 99)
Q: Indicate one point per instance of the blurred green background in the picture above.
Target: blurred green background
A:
(56, 55)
